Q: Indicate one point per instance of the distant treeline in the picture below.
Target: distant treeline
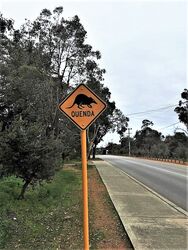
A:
(148, 142)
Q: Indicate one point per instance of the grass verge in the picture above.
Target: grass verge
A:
(51, 215)
(45, 219)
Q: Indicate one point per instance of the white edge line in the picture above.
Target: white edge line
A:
(158, 195)
(179, 209)
(158, 168)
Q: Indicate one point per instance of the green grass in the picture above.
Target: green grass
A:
(48, 213)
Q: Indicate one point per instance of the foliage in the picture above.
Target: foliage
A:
(27, 150)
(182, 109)
(146, 138)
(60, 43)
(27, 153)
(151, 143)
(125, 142)
(111, 120)
(178, 146)
(113, 148)
(146, 123)
(40, 63)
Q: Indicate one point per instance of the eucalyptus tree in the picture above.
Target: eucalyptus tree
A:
(146, 138)
(61, 49)
(111, 120)
(40, 63)
(26, 149)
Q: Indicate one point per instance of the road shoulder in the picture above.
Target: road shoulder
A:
(150, 222)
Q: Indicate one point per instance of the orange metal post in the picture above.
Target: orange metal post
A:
(85, 190)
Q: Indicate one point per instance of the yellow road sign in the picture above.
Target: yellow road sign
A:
(82, 106)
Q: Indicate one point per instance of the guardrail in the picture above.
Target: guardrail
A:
(164, 159)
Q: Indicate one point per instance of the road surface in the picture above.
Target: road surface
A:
(167, 179)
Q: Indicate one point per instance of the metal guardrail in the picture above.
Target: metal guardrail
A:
(165, 160)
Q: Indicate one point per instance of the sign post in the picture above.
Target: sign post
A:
(85, 190)
(83, 107)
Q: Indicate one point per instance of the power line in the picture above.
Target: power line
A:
(152, 110)
(170, 125)
(155, 110)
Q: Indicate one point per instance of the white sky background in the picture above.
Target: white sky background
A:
(143, 47)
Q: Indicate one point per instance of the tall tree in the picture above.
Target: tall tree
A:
(27, 149)
(56, 46)
(111, 120)
(40, 63)
(61, 46)
(146, 138)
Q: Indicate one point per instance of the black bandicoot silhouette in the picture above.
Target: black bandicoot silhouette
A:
(82, 99)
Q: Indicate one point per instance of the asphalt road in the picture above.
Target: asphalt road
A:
(167, 179)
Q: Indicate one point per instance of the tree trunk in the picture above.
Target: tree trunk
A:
(94, 151)
(89, 150)
(91, 143)
(24, 187)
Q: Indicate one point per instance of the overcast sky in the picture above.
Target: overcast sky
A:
(143, 47)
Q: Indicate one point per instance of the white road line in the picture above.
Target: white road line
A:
(157, 168)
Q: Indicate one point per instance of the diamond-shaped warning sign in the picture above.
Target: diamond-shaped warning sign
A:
(82, 106)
